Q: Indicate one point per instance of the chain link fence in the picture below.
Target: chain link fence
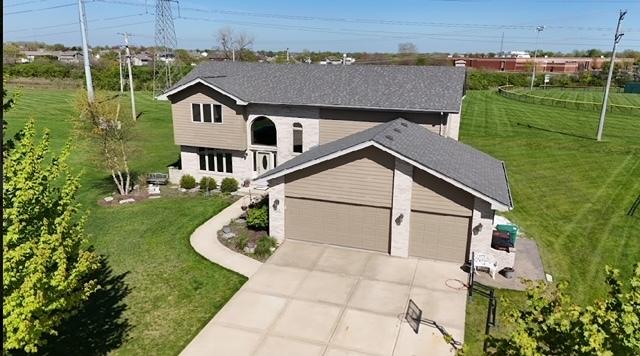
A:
(521, 94)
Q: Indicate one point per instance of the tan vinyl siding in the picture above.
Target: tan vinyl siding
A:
(362, 177)
(439, 237)
(432, 194)
(336, 124)
(230, 134)
(340, 224)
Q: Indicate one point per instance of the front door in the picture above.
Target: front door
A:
(264, 161)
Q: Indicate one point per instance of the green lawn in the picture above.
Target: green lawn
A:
(571, 193)
(168, 291)
(594, 96)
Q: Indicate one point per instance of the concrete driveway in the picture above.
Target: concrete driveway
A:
(311, 299)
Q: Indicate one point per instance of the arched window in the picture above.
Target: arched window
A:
(297, 137)
(263, 132)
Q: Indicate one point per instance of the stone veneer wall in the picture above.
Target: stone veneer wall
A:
(276, 211)
(402, 188)
(481, 242)
(190, 161)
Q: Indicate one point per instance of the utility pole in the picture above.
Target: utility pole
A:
(535, 55)
(616, 40)
(287, 55)
(85, 51)
(120, 70)
(233, 54)
(128, 54)
(500, 54)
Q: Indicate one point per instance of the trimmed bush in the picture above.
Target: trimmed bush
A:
(187, 182)
(229, 185)
(208, 184)
(258, 217)
(264, 245)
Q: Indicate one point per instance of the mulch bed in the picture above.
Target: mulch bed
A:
(239, 228)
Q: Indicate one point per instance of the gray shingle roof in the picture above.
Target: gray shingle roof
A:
(363, 86)
(455, 160)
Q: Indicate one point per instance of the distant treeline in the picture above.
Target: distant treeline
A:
(106, 76)
(477, 79)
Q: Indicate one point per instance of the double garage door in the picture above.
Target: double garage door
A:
(439, 237)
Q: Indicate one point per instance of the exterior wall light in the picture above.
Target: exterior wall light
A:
(275, 204)
(399, 219)
(477, 229)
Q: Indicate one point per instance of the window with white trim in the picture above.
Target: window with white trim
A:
(211, 113)
(215, 160)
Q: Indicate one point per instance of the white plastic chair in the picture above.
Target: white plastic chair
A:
(485, 260)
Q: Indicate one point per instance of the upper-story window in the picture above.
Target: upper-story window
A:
(206, 113)
(297, 137)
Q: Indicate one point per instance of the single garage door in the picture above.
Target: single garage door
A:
(439, 237)
(357, 226)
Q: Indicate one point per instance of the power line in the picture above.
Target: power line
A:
(389, 34)
(73, 23)
(40, 9)
(21, 3)
(372, 21)
(93, 29)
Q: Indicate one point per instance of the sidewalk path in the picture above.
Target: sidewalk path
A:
(205, 241)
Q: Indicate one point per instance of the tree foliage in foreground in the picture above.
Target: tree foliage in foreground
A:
(46, 268)
(550, 324)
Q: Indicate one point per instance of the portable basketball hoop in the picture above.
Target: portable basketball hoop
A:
(413, 316)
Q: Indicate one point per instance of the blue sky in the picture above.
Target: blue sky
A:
(348, 26)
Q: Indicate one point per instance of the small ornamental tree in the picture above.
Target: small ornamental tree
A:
(550, 324)
(45, 268)
(110, 128)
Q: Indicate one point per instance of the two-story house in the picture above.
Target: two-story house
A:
(358, 156)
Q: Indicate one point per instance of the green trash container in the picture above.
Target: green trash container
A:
(511, 229)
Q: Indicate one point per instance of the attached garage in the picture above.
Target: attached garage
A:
(377, 190)
(345, 201)
(440, 219)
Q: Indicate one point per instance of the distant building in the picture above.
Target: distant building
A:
(141, 59)
(567, 65)
(70, 57)
(338, 61)
(62, 56)
(519, 54)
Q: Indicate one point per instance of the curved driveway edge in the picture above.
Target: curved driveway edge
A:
(205, 241)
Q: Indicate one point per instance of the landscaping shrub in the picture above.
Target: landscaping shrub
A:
(208, 184)
(258, 217)
(241, 242)
(264, 245)
(187, 182)
(229, 185)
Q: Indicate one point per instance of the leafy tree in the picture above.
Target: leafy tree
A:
(551, 324)
(46, 268)
(111, 129)
(407, 48)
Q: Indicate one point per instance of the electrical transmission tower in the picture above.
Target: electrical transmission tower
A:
(165, 44)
